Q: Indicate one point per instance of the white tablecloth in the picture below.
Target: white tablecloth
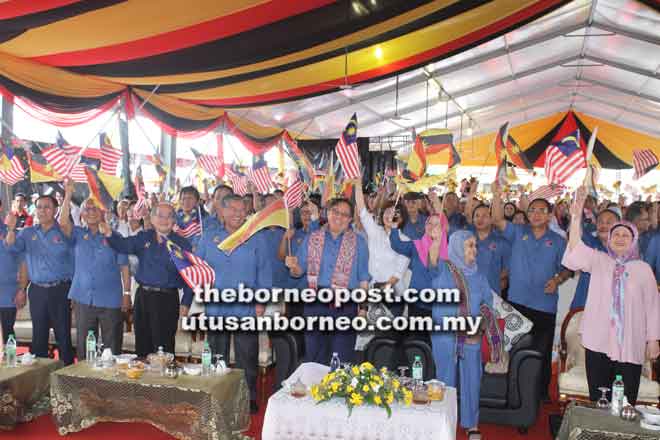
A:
(292, 418)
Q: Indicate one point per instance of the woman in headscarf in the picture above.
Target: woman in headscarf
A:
(460, 353)
(621, 322)
(418, 252)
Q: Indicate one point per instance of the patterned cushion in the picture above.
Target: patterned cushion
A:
(516, 325)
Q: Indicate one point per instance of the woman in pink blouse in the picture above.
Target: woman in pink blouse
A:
(621, 320)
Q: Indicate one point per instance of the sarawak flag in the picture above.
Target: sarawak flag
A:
(416, 166)
(437, 140)
(347, 150)
(103, 188)
(194, 271)
(40, 170)
(290, 147)
(517, 156)
(275, 214)
(160, 168)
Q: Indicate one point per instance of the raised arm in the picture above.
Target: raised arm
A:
(470, 205)
(498, 210)
(399, 246)
(577, 208)
(65, 219)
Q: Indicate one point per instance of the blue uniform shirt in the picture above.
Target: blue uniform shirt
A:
(9, 262)
(479, 290)
(580, 297)
(359, 271)
(652, 255)
(645, 240)
(155, 267)
(248, 264)
(533, 263)
(493, 256)
(49, 254)
(457, 221)
(415, 231)
(97, 278)
(273, 237)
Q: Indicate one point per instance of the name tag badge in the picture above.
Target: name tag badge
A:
(525, 237)
(147, 244)
(492, 246)
(57, 239)
(548, 243)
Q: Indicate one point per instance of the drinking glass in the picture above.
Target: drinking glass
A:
(603, 403)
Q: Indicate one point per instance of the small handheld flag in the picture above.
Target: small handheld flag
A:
(347, 150)
(275, 214)
(194, 271)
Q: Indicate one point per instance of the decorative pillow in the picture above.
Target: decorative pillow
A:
(485, 346)
(515, 324)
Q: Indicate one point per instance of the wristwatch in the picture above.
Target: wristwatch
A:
(127, 293)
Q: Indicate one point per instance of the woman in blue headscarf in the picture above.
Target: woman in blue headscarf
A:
(459, 352)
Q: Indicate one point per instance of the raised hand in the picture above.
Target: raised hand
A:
(69, 188)
(578, 203)
(11, 219)
(105, 229)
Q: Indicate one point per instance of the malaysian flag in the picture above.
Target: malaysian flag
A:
(194, 271)
(238, 180)
(547, 192)
(293, 196)
(60, 159)
(347, 150)
(644, 161)
(260, 176)
(189, 230)
(564, 159)
(11, 169)
(210, 164)
(109, 156)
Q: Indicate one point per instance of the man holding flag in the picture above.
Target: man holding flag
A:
(100, 276)
(157, 308)
(247, 264)
(190, 216)
(332, 257)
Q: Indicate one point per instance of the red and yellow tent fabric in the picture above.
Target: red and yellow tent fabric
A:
(613, 148)
(74, 57)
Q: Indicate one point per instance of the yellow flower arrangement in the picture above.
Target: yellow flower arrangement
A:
(360, 385)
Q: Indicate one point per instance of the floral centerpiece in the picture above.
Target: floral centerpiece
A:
(362, 385)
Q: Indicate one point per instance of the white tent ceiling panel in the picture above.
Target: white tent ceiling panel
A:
(629, 15)
(556, 49)
(571, 14)
(625, 50)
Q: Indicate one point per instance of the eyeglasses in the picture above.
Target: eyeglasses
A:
(537, 210)
(339, 213)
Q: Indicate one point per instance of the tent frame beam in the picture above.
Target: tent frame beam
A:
(422, 77)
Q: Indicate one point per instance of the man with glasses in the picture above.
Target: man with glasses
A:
(100, 276)
(157, 307)
(49, 256)
(249, 264)
(535, 273)
(332, 257)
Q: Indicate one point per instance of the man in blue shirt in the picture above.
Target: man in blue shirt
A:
(595, 240)
(451, 206)
(13, 279)
(332, 257)
(653, 257)
(191, 215)
(101, 275)
(49, 258)
(535, 273)
(249, 264)
(415, 224)
(493, 252)
(156, 307)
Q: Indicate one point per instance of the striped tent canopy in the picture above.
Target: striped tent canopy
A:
(613, 149)
(70, 60)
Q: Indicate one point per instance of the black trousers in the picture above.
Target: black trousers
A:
(49, 307)
(544, 335)
(246, 351)
(110, 321)
(7, 320)
(156, 319)
(601, 371)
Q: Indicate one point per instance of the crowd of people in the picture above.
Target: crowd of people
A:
(522, 250)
